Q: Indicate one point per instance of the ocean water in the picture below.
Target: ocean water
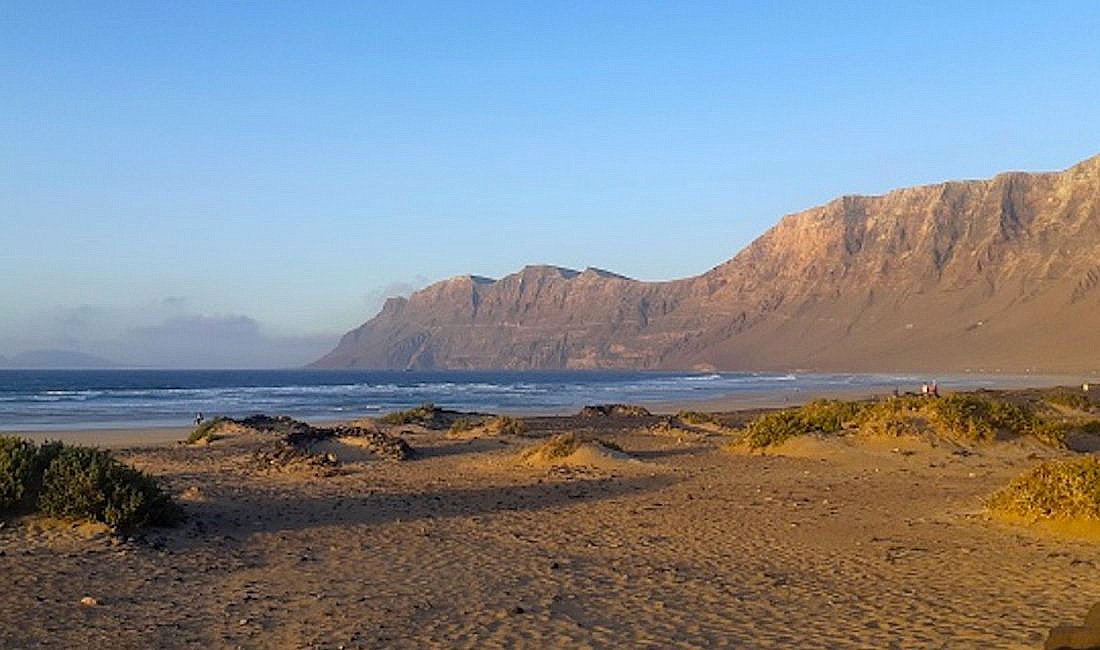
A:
(44, 400)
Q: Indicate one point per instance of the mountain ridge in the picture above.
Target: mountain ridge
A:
(55, 359)
(998, 274)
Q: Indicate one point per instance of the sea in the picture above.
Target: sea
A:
(61, 400)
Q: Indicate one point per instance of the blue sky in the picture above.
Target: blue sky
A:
(188, 167)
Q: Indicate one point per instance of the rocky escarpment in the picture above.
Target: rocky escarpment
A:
(995, 275)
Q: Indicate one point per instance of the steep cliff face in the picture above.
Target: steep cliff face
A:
(541, 317)
(1000, 274)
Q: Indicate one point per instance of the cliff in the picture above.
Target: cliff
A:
(996, 275)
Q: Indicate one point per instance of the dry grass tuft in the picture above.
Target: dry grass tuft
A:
(560, 446)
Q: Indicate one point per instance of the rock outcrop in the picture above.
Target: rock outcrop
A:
(995, 275)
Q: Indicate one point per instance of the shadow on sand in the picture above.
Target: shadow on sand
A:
(249, 512)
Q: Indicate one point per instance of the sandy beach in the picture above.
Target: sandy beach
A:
(676, 543)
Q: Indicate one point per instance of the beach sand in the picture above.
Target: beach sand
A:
(111, 438)
(686, 545)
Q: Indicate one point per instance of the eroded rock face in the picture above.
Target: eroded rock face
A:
(1000, 274)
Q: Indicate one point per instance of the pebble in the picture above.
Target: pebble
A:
(88, 601)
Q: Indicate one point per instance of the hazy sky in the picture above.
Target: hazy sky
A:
(185, 182)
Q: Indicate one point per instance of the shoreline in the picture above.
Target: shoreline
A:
(122, 437)
(476, 542)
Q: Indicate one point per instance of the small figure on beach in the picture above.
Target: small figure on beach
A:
(198, 419)
(1085, 387)
(935, 389)
(924, 389)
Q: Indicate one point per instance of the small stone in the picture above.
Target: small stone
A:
(518, 610)
(88, 601)
(243, 621)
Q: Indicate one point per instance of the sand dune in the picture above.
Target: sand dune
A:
(859, 547)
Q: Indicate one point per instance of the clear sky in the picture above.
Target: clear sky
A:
(237, 183)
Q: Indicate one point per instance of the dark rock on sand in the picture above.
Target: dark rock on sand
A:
(614, 410)
(297, 439)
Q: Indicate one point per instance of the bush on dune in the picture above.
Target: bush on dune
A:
(462, 425)
(966, 418)
(87, 483)
(80, 483)
(895, 417)
(830, 415)
(205, 431)
(503, 425)
(817, 417)
(1054, 490)
(498, 425)
(422, 414)
(1068, 398)
(774, 428)
(559, 446)
(973, 418)
(564, 445)
(22, 464)
(697, 418)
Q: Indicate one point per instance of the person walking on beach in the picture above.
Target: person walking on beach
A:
(198, 419)
(935, 390)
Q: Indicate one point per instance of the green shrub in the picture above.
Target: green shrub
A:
(503, 425)
(819, 416)
(461, 425)
(18, 468)
(697, 418)
(1015, 419)
(87, 483)
(1053, 434)
(963, 417)
(773, 428)
(420, 415)
(829, 415)
(1056, 433)
(21, 466)
(205, 431)
(890, 422)
(498, 425)
(1068, 398)
(973, 418)
(1054, 490)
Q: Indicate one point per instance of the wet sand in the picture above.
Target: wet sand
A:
(686, 545)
